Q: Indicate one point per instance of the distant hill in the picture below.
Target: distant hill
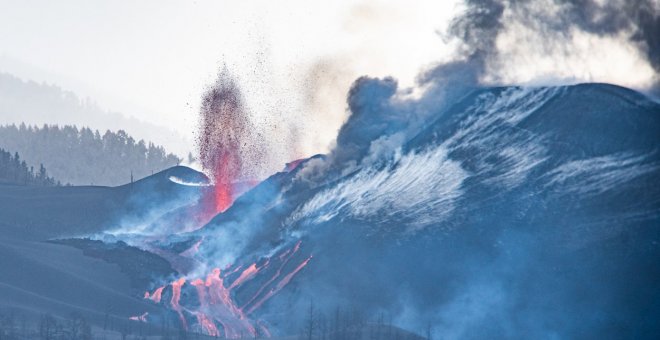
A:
(83, 156)
(55, 278)
(43, 103)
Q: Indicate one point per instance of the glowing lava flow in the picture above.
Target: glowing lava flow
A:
(284, 257)
(279, 286)
(206, 323)
(246, 275)
(224, 191)
(216, 305)
(233, 270)
(222, 307)
(176, 296)
(227, 140)
(155, 296)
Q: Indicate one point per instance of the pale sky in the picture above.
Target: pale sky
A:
(153, 59)
(295, 60)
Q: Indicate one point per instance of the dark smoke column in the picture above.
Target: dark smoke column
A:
(225, 142)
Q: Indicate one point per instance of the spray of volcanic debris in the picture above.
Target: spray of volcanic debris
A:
(229, 147)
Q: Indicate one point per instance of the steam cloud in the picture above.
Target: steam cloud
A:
(556, 22)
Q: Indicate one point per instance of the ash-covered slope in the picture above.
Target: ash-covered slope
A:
(41, 213)
(101, 282)
(497, 212)
(512, 212)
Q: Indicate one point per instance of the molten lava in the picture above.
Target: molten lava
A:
(155, 296)
(227, 141)
(216, 305)
(245, 275)
(284, 257)
(174, 302)
(208, 324)
(279, 286)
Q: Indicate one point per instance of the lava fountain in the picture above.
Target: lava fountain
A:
(229, 149)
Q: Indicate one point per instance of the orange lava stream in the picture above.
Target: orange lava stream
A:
(248, 274)
(278, 287)
(284, 257)
(155, 296)
(216, 305)
(176, 296)
(215, 300)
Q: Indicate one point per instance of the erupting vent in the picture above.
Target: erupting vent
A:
(226, 141)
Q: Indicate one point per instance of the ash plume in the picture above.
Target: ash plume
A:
(555, 23)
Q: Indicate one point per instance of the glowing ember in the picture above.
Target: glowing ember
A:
(176, 296)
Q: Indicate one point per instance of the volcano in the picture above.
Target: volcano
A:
(509, 212)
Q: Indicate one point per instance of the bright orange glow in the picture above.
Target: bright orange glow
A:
(279, 286)
(284, 257)
(155, 296)
(216, 304)
(218, 313)
(208, 324)
(224, 196)
(176, 296)
(245, 275)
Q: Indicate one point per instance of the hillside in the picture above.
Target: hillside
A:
(510, 205)
(86, 157)
(512, 212)
(37, 103)
(43, 276)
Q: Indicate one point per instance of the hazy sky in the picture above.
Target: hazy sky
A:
(153, 59)
(295, 60)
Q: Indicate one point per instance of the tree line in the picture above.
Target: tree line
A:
(85, 156)
(15, 326)
(349, 323)
(13, 170)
